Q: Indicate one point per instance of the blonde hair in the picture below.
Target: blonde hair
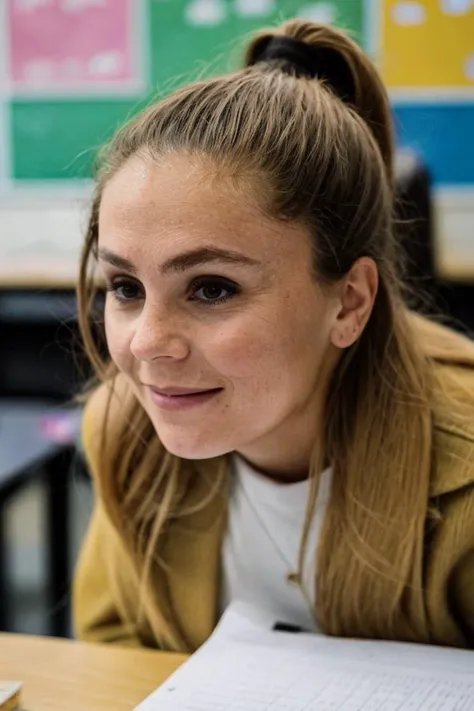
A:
(327, 163)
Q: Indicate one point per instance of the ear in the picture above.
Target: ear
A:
(357, 297)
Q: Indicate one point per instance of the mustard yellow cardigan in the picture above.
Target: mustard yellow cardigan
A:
(184, 608)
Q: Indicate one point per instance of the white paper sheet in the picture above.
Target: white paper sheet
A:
(246, 667)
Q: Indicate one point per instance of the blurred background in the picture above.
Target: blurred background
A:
(71, 72)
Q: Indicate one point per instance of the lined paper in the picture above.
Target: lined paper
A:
(244, 667)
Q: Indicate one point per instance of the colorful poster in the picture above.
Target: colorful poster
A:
(73, 46)
(428, 45)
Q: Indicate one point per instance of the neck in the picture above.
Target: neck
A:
(277, 474)
(285, 454)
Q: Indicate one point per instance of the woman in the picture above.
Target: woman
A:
(272, 424)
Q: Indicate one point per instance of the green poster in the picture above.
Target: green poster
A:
(191, 37)
(56, 138)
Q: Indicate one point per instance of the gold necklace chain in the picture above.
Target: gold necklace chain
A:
(294, 578)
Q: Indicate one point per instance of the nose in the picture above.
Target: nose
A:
(158, 334)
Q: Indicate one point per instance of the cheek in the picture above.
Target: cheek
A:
(268, 349)
(118, 338)
(239, 351)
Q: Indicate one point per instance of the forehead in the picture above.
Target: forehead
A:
(159, 207)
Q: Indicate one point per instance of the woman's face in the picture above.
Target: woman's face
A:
(212, 313)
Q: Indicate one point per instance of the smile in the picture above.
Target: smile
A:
(181, 399)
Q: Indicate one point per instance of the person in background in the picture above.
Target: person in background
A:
(271, 423)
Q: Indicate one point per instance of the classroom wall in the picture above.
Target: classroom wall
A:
(425, 50)
(71, 71)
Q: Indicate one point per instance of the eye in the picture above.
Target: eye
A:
(125, 290)
(212, 291)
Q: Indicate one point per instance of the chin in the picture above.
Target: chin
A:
(197, 448)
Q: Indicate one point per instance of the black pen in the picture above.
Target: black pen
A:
(287, 627)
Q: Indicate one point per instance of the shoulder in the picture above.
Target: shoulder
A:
(453, 428)
(452, 357)
(453, 460)
(441, 343)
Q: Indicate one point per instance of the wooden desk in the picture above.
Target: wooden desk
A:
(62, 675)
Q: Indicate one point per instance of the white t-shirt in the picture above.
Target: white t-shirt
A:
(262, 544)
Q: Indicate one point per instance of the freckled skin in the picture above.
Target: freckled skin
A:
(269, 347)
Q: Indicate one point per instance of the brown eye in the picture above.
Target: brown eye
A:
(212, 291)
(126, 290)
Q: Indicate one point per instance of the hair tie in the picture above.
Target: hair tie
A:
(315, 62)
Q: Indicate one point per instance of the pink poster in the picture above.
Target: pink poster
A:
(73, 45)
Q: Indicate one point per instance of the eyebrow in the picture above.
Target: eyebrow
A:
(116, 261)
(185, 261)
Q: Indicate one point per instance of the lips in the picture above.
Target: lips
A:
(181, 399)
(181, 392)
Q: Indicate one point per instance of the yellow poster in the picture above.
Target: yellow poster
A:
(428, 45)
